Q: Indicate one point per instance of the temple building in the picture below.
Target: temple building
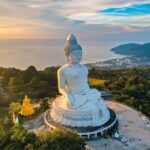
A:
(27, 108)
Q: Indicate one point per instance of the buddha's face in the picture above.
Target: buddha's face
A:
(75, 57)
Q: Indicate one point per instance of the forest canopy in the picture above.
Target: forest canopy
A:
(129, 86)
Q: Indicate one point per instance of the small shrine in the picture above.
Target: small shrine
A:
(27, 108)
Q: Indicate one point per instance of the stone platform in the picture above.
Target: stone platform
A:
(85, 132)
(131, 124)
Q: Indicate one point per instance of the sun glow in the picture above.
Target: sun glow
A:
(11, 33)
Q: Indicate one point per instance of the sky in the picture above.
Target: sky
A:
(96, 23)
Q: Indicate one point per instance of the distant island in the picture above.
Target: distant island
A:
(136, 55)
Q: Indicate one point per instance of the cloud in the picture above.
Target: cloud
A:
(19, 21)
(56, 18)
(133, 10)
(131, 14)
(96, 18)
(63, 9)
(100, 12)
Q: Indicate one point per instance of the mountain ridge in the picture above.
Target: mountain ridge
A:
(133, 49)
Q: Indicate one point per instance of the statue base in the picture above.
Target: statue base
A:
(90, 114)
(89, 132)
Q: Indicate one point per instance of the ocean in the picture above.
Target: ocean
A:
(44, 53)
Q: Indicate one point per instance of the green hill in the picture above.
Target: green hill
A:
(133, 49)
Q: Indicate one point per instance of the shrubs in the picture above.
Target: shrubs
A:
(18, 138)
(61, 140)
(16, 83)
(131, 86)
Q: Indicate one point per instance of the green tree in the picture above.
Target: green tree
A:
(5, 125)
(15, 86)
(14, 108)
(44, 104)
(61, 140)
(20, 135)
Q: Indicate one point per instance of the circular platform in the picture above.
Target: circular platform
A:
(131, 124)
(86, 132)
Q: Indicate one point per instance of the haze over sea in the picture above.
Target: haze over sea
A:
(44, 53)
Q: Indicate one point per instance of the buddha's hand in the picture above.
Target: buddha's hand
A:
(70, 98)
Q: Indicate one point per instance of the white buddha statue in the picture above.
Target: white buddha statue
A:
(79, 105)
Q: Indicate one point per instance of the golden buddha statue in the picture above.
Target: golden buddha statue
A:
(27, 108)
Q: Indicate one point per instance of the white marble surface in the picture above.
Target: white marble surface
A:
(77, 98)
(80, 117)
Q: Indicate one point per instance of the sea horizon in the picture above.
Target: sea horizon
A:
(42, 53)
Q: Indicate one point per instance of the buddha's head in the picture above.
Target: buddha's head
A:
(73, 51)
